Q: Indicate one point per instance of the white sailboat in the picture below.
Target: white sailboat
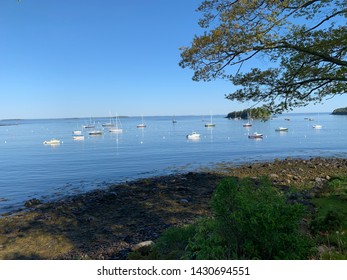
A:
(248, 123)
(210, 124)
(142, 124)
(117, 126)
(90, 125)
(317, 126)
(108, 124)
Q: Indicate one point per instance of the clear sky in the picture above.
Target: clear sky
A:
(87, 58)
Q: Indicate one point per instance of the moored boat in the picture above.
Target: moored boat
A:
(142, 124)
(115, 130)
(255, 135)
(281, 129)
(317, 126)
(52, 142)
(95, 132)
(78, 137)
(248, 123)
(116, 127)
(107, 124)
(210, 124)
(193, 136)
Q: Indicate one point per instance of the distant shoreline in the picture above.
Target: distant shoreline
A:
(148, 116)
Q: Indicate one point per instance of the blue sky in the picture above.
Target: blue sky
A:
(87, 58)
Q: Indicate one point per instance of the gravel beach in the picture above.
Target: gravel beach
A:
(108, 224)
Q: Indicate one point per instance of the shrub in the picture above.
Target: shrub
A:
(253, 221)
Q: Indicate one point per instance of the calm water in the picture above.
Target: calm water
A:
(30, 169)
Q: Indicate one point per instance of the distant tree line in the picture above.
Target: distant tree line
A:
(340, 111)
(254, 113)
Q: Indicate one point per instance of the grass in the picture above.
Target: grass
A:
(329, 224)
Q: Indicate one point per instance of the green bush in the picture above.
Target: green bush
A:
(254, 221)
(251, 220)
(206, 244)
(172, 244)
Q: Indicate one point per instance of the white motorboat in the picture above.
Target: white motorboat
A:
(77, 132)
(193, 136)
(255, 135)
(78, 137)
(52, 142)
(115, 130)
(281, 129)
(317, 126)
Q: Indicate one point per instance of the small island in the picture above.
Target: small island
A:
(340, 111)
(254, 113)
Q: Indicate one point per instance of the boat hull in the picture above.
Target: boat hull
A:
(52, 142)
(255, 136)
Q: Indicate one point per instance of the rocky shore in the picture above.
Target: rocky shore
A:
(107, 224)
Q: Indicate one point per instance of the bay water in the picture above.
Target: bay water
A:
(29, 169)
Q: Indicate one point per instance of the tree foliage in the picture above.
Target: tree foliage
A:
(299, 45)
(254, 113)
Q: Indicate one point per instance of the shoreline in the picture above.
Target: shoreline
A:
(109, 223)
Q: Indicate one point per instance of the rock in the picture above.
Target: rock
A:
(274, 176)
(32, 202)
(327, 177)
(318, 180)
(143, 247)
